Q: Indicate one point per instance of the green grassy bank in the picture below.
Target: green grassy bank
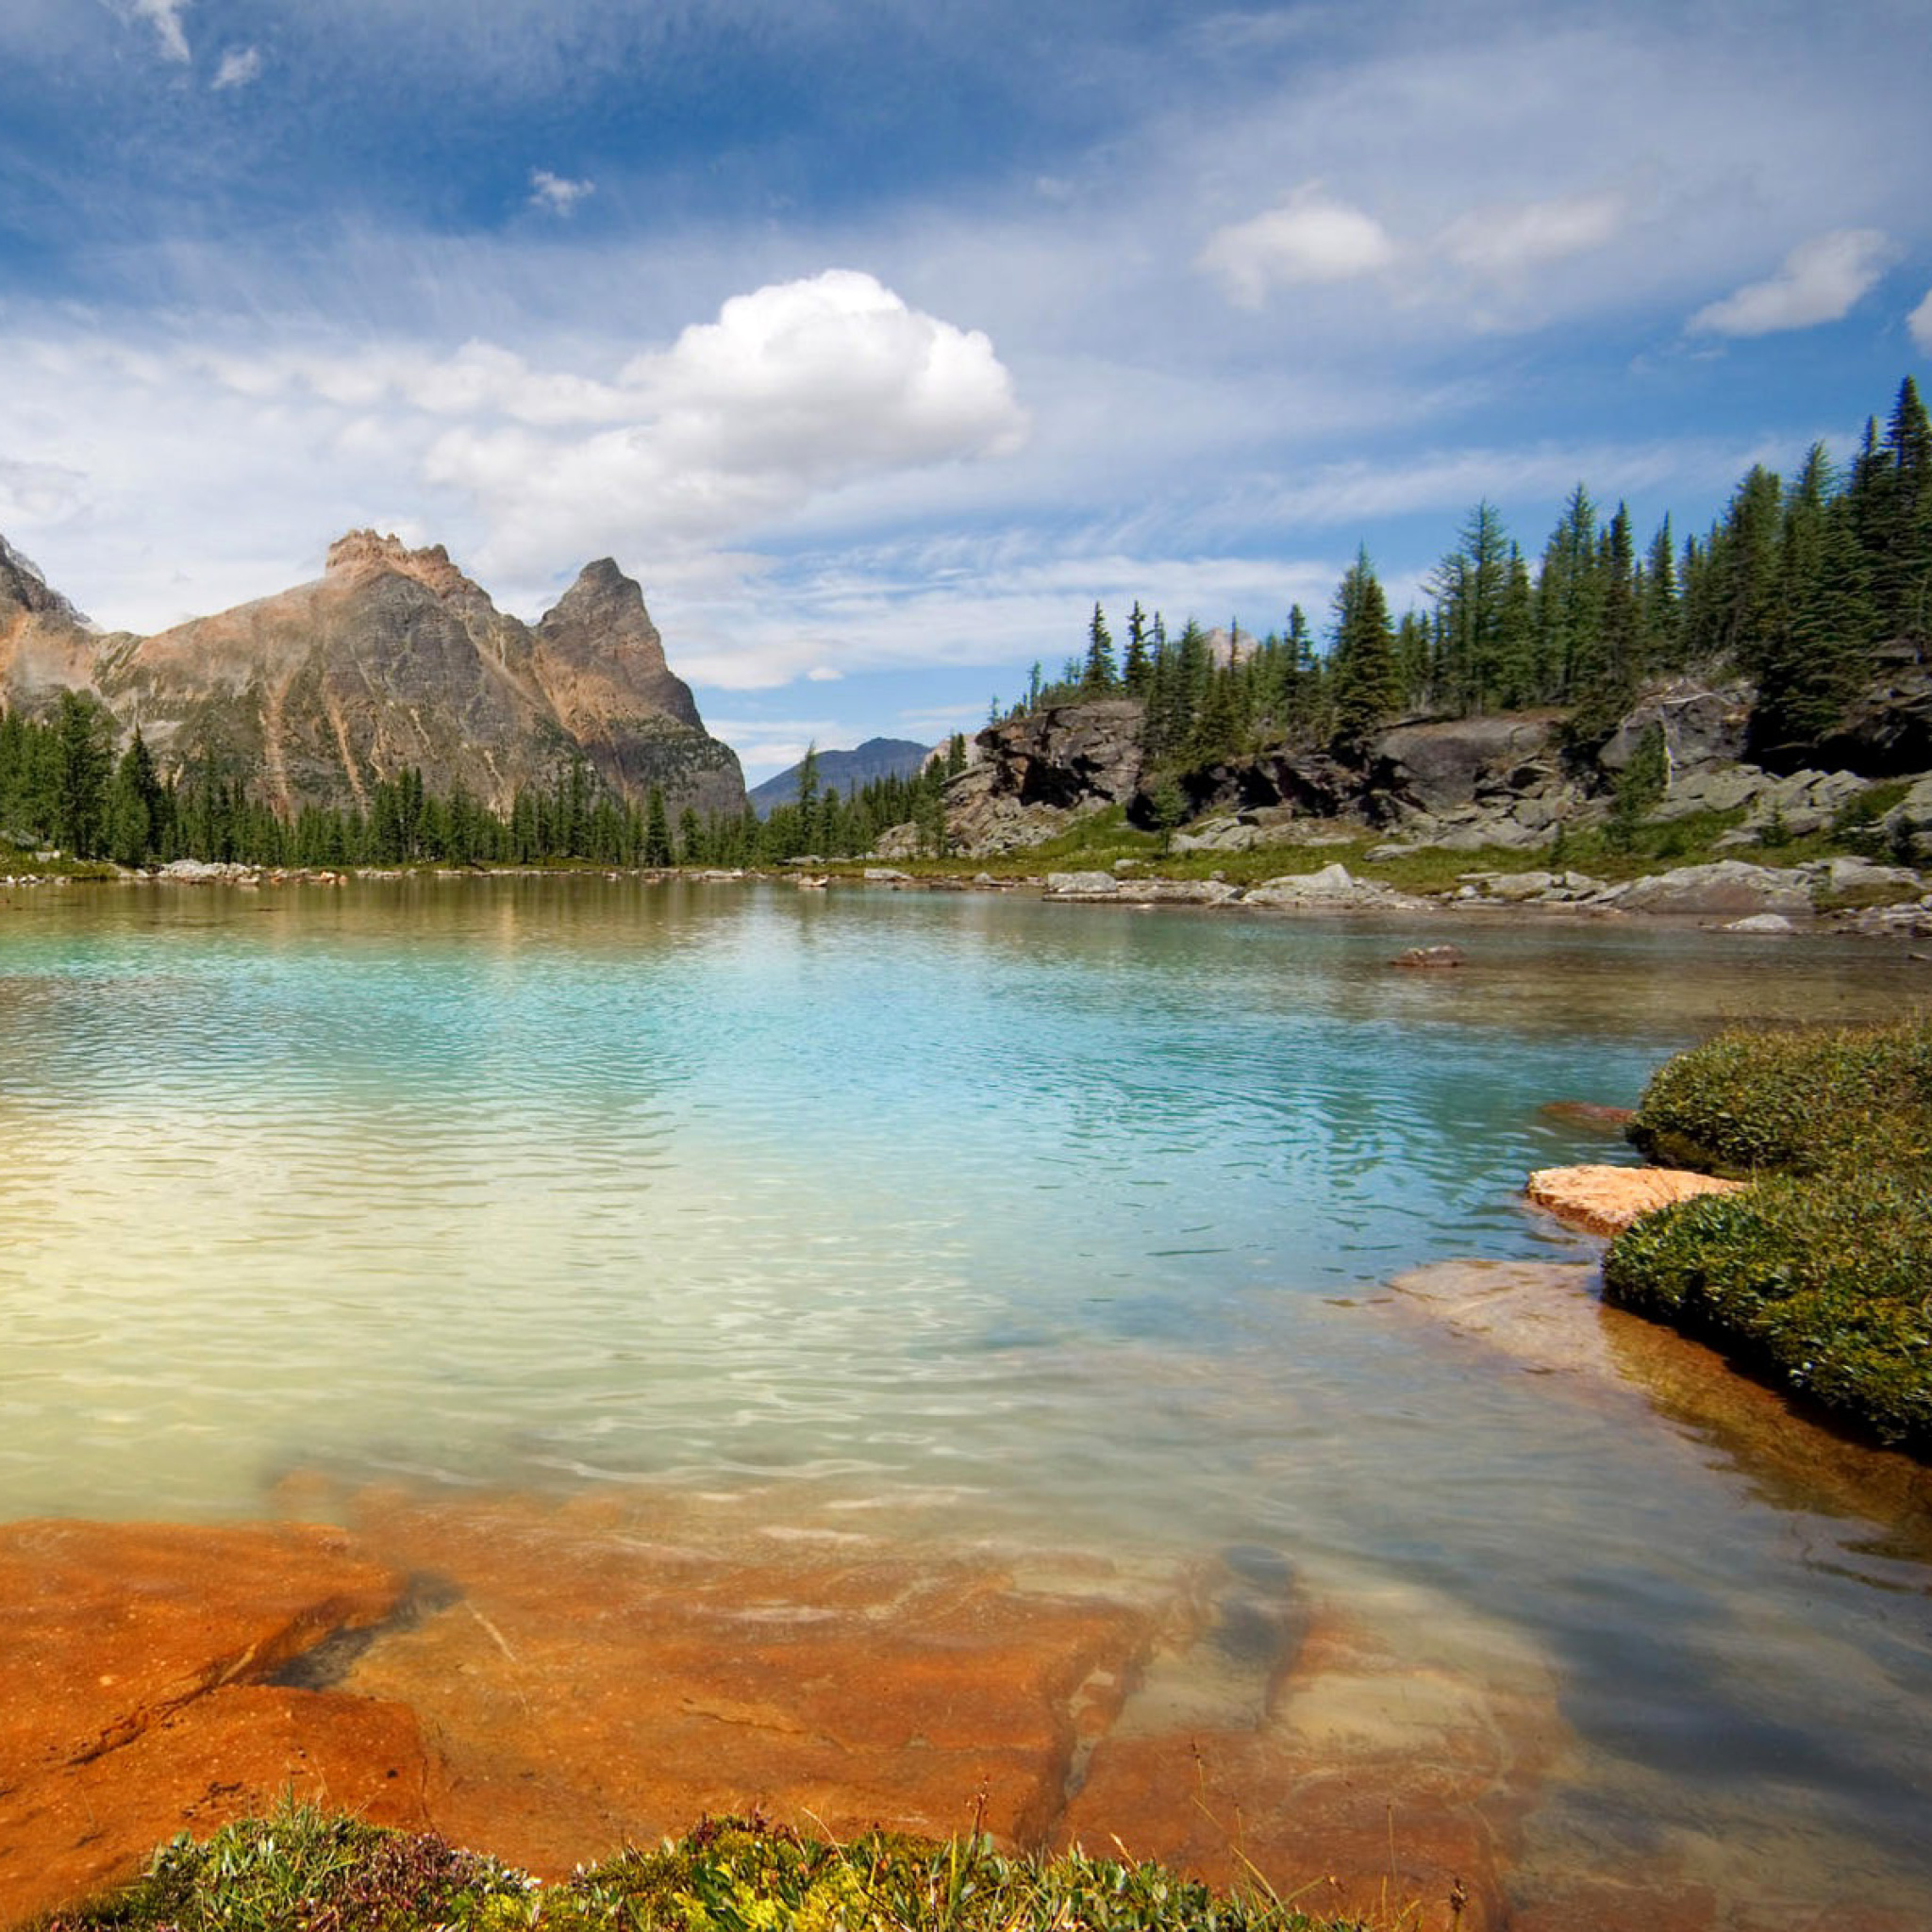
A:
(1820, 1274)
(310, 1870)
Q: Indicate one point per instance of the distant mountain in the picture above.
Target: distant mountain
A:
(844, 771)
(391, 659)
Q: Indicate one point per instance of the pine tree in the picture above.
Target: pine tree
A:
(1367, 691)
(1098, 675)
(657, 842)
(1139, 668)
(133, 805)
(82, 760)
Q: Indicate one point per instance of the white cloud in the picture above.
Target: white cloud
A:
(164, 16)
(1920, 322)
(798, 388)
(1819, 282)
(1308, 239)
(1502, 238)
(554, 194)
(240, 66)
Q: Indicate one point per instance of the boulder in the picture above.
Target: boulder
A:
(1703, 725)
(1439, 767)
(1605, 1200)
(1082, 885)
(1909, 826)
(1729, 887)
(1768, 925)
(1333, 889)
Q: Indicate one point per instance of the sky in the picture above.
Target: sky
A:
(879, 339)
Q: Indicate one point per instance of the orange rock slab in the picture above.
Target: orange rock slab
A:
(1605, 1200)
(603, 1679)
(135, 1658)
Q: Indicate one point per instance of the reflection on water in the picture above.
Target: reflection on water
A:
(981, 1217)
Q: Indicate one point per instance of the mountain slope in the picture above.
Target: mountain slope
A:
(842, 771)
(391, 659)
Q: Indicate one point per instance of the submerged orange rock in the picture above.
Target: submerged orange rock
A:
(137, 1704)
(1605, 1200)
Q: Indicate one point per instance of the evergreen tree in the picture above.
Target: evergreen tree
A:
(1658, 614)
(82, 761)
(1367, 691)
(1098, 675)
(1570, 594)
(657, 841)
(1469, 585)
(1139, 668)
(134, 805)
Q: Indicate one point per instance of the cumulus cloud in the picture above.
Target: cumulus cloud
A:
(1503, 240)
(1920, 322)
(798, 388)
(556, 194)
(1309, 237)
(240, 66)
(164, 16)
(1819, 282)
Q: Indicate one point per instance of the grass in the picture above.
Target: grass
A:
(303, 1868)
(1820, 1275)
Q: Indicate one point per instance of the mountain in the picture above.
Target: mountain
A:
(392, 658)
(845, 771)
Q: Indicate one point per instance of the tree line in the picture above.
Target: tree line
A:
(62, 785)
(1800, 585)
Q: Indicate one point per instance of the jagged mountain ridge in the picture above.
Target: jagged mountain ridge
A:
(392, 658)
(841, 771)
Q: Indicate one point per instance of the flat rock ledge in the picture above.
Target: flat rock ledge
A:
(1605, 1200)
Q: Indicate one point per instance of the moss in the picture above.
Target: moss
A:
(305, 1868)
(1820, 1274)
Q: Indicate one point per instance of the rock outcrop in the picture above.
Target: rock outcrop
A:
(1035, 774)
(391, 659)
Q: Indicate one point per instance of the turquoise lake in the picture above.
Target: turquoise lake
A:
(1043, 1223)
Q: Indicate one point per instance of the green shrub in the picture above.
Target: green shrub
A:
(1801, 1103)
(1825, 1284)
(1821, 1273)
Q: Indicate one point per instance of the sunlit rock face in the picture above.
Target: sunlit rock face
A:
(392, 660)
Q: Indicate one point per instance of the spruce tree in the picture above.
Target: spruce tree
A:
(1366, 688)
(1098, 675)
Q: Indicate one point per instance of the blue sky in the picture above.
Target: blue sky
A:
(879, 338)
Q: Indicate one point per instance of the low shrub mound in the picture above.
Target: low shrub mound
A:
(1793, 1103)
(1821, 1273)
(305, 1869)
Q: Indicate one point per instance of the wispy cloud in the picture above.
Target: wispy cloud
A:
(1819, 282)
(1920, 322)
(1502, 239)
(240, 66)
(164, 16)
(1309, 237)
(554, 194)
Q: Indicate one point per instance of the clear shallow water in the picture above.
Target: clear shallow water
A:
(1066, 1223)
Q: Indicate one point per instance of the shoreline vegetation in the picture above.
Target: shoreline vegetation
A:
(304, 1867)
(1818, 1275)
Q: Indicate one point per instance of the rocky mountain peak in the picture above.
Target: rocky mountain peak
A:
(24, 592)
(360, 555)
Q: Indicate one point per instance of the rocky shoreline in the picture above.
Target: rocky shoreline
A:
(1736, 895)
